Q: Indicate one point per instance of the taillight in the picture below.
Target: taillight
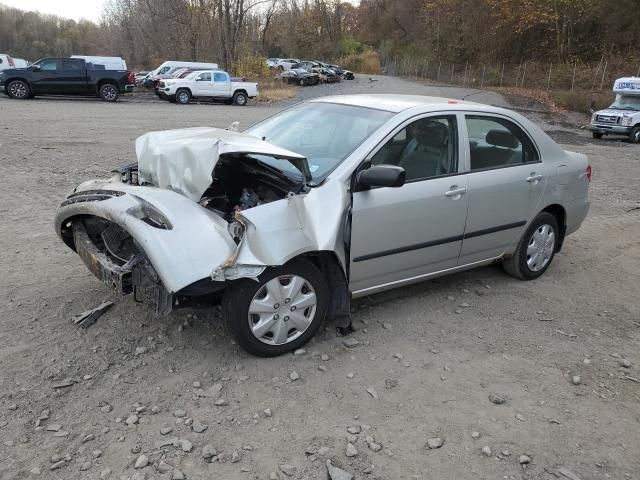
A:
(589, 172)
(131, 78)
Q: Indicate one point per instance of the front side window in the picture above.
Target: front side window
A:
(425, 148)
(219, 77)
(48, 65)
(204, 77)
(496, 142)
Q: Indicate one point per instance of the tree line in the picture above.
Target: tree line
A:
(146, 32)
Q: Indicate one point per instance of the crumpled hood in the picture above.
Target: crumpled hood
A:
(183, 160)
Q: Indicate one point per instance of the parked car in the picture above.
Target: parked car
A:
(307, 65)
(300, 77)
(174, 64)
(21, 63)
(327, 75)
(172, 73)
(345, 74)
(281, 218)
(286, 63)
(623, 116)
(6, 62)
(109, 63)
(272, 62)
(214, 85)
(140, 76)
(65, 76)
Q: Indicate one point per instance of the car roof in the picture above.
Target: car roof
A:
(396, 103)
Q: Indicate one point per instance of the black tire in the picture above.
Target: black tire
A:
(634, 136)
(240, 98)
(302, 82)
(183, 97)
(18, 90)
(240, 293)
(597, 135)
(109, 92)
(516, 265)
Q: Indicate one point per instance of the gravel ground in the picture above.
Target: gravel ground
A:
(158, 393)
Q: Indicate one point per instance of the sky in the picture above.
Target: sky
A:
(76, 9)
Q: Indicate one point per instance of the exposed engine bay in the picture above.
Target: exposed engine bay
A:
(239, 183)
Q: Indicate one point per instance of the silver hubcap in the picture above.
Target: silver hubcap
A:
(109, 93)
(183, 97)
(241, 100)
(540, 248)
(18, 90)
(637, 137)
(282, 310)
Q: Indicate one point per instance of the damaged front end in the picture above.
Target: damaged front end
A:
(172, 225)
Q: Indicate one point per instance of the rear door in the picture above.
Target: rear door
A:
(506, 181)
(402, 234)
(221, 84)
(72, 76)
(46, 78)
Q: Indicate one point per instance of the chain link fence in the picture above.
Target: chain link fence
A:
(537, 75)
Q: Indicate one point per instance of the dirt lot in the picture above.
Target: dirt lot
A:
(432, 369)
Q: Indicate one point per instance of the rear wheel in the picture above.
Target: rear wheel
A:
(240, 98)
(634, 136)
(108, 92)
(183, 97)
(536, 248)
(278, 313)
(597, 135)
(18, 90)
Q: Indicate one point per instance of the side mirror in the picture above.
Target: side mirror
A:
(382, 176)
(35, 68)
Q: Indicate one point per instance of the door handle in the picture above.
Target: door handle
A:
(533, 178)
(455, 191)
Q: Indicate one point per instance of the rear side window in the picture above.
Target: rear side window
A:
(495, 142)
(219, 77)
(71, 65)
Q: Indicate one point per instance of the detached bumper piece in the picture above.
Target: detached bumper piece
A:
(121, 266)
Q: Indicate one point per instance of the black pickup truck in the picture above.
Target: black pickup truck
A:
(65, 76)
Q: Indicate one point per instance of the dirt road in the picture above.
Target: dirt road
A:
(137, 381)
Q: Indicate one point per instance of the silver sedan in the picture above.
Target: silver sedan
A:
(329, 200)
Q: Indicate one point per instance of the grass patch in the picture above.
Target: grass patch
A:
(582, 100)
(275, 91)
(365, 62)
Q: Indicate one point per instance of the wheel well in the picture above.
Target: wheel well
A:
(241, 91)
(560, 213)
(340, 298)
(186, 89)
(102, 83)
(8, 81)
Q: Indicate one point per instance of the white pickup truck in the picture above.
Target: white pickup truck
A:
(623, 116)
(211, 84)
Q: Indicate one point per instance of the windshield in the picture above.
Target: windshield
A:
(626, 102)
(325, 133)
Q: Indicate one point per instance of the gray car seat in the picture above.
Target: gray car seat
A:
(504, 149)
(430, 157)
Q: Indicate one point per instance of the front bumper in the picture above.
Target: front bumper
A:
(615, 129)
(194, 244)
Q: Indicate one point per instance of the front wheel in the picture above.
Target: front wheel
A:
(535, 249)
(634, 136)
(302, 82)
(108, 92)
(278, 313)
(240, 98)
(597, 135)
(183, 97)
(18, 90)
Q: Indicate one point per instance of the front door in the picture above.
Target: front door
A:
(400, 234)
(506, 182)
(46, 79)
(203, 85)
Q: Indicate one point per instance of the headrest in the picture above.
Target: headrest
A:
(502, 138)
(432, 134)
